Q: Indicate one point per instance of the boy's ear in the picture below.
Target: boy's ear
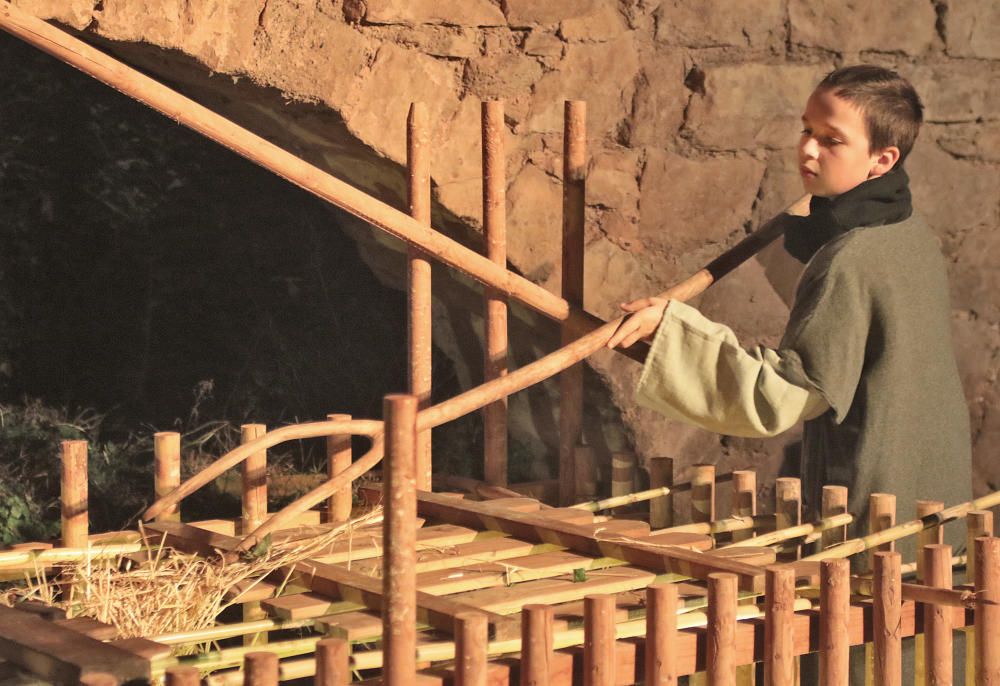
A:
(885, 160)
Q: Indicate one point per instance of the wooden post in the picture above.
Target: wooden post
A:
(622, 473)
(835, 599)
(399, 582)
(599, 640)
(834, 503)
(978, 523)
(471, 639)
(744, 500)
(419, 302)
(75, 514)
(585, 472)
(931, 536)
(703, 493)
(661, 635)
(338, 458)
(788, 506)
(260, 669)
(779, 619)
(536, 644)
(182, 676)
(720, 639)
(988, 611)
(661, 510)
(167, 456)
(937, 618)
(574, 196)
(333, 657)
(887, 592)
(495, 230)
(881, 516)
(254, 471)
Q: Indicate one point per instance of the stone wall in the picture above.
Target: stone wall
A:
(693, 110)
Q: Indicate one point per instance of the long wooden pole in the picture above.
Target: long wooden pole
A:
(779, 639)
(536, 644)
(333, 662)
(399, 582)
(988, 611)
(937, 618)
(254, 480)
(574, 197)
(471, 640)
(420, 348)
(495, 230)
(743, 502)
(167, 456)
(73, 496)
(834, 502)
(720, 639)
(703, 493)
(338, 459)
(599, 640)
(834, 646)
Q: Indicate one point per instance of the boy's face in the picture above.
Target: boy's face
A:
(834, 154)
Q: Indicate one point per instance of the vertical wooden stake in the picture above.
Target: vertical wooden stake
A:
(988, 611)
(887, 592)
(881, 516)
(536, 644)
(932, 536)
(661, 635)
(254, 471)
(574, 196)
(260, 669)
(419, 301)
(75, 512)
(834, 503)
(779, 621)
(978, 523)
(599, 640)
(495, 230)
(661, 510)
(399, 582)
(937, 618)
(167, 458)
(835, 600)
(720, 639)
(182, 676)
(788, 506)
(333, 657)
(703, 493)
(471, 639)
(338, 458)
(744, 500)
(622, 472)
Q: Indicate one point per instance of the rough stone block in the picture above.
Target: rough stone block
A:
(603, 23)
(534, 225)
(716, 23)
(688, 203)
(524, 13)
(973, 29)
(957, 90)
(660, 98)
(452, 12)
(893, 25)
(750, 105)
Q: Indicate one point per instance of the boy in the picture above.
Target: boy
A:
(866, 359)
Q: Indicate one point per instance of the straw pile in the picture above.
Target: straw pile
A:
(163, 590)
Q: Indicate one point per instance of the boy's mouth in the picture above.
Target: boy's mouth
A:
(806, 172)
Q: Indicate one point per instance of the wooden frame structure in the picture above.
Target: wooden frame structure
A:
(503, 588)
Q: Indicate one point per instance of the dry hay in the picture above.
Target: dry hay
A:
(164, 590)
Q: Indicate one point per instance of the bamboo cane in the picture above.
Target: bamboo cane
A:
(620, 500)
(859, 545)
(773, 537)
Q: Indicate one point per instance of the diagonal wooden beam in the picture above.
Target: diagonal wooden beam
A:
(333, 581)
(535, 527)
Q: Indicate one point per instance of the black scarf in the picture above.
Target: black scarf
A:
(875, 202)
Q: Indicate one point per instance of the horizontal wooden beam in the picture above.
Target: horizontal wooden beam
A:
(536, 527)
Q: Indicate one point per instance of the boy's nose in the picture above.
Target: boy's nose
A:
(808, 147)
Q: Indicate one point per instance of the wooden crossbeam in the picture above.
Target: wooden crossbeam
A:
(60, 654)
(535, 527)
(334, 582)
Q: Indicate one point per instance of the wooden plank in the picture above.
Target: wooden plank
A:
(303, 606)
(60, 654)
(369, 544)
(142, 647)
(551, 591)
(513, 571)
(533, 527)
(482, 550)
(89, 627)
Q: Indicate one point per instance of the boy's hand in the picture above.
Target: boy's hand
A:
(647, 313)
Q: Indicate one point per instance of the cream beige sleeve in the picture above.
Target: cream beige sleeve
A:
(698, 373)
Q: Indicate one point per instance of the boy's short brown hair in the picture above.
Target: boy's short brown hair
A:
(891, 107)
